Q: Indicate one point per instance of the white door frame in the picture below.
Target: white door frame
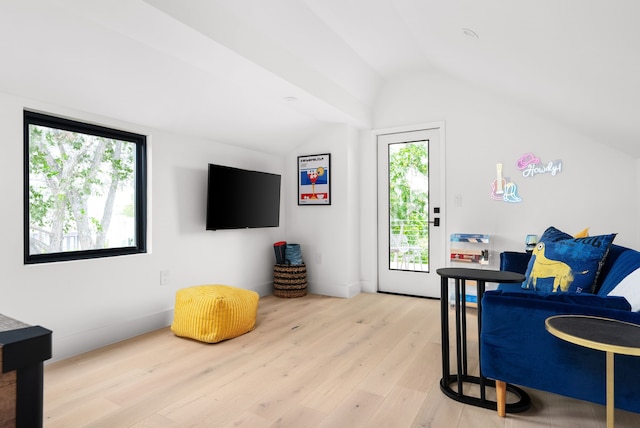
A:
(442, 244)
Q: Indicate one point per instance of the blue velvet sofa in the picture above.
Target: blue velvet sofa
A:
(517, 349)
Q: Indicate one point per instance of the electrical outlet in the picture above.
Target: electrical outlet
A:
(164, 277)
(319, 258)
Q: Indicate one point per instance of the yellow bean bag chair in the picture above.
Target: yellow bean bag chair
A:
(212, 313)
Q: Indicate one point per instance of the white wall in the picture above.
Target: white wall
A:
(90, 303)
(94, 302)
(597, 188)
(328, 235)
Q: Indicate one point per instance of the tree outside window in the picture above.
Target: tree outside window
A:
(85, 190)
(409, 195)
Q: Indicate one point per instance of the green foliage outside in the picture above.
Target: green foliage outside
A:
(409, 194)
(74, 180)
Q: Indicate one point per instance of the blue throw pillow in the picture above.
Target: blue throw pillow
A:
(552, 234)
(561, 264)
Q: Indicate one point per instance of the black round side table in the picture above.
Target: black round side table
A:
(481, 277)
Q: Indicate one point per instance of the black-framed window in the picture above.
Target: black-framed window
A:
(84, 190)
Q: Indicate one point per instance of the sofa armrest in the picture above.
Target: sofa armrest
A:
(514, 261)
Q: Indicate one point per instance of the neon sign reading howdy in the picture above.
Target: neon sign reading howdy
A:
(532, 166)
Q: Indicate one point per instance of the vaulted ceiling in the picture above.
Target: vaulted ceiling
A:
(228, 70)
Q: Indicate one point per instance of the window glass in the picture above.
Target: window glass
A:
(85, 190)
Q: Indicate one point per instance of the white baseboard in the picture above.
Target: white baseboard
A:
(264, 289)
(335, 290)
(84, 341)
(368, 287)
(354, 288)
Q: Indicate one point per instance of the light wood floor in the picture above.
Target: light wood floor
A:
(371, 361)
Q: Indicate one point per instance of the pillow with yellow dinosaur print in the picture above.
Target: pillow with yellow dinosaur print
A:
(567, 265)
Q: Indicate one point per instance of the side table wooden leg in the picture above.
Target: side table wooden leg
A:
(611, 408)
(501, 397)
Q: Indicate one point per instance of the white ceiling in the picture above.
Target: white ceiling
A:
(221, 69)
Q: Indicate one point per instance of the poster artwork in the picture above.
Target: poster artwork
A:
(314, 184)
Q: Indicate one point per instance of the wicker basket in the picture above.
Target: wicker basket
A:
(290, 280)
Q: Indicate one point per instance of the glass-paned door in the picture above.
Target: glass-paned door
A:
(410, 236)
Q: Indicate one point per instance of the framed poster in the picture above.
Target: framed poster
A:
(314, 180)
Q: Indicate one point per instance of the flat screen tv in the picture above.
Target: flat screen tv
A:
(239, 198)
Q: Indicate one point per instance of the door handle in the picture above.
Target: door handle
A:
(436, 222)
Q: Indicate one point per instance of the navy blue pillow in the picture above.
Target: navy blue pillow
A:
(552, 234)
(561, 263)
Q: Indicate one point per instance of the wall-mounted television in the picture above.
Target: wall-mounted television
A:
(239, 198)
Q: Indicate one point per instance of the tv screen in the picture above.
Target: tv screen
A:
(239, 198)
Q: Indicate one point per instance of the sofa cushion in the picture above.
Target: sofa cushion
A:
(629, 288)
(540, 300)
(611, 273)
(566, 264)
(620, 263)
